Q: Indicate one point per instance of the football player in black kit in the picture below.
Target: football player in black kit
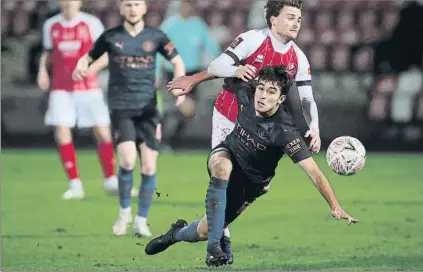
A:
(245, 162)
(131, 50)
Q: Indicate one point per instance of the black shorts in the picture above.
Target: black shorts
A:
(241, 191)
(135, 126)
(194, 91)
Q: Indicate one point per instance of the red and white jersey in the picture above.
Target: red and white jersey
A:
(260, 48)
(69, 41)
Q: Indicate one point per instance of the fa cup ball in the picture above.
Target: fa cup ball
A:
(346, 155)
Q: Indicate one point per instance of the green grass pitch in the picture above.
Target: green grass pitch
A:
(290, 228)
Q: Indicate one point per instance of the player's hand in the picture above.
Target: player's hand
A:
(81, 69)
(246, 72)
(315, 142)
(159, 132)
(180, 100)
(339, 213)
(43, 80)
(184, 84)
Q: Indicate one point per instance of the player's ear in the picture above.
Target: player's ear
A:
(273, 20)
(281, 99)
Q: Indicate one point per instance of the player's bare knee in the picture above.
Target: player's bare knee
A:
(187, 108)
(148, 160)
(127, 153)
(127, 163)
(220, 165)
(102, 134)
(63, 135)
(148, 169)
(202, 229)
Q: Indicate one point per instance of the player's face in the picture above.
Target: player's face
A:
(267, 98)
(133, 10)
(288, 23)
(70, 7)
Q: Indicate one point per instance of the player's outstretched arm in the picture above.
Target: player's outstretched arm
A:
(322, 184)
(178, 71)
(186, 83)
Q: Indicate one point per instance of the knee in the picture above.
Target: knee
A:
(63, 135)
(102, 134)
(222, 168)
(202, 230)
(127, 163)
(148, 168)
(187, 109)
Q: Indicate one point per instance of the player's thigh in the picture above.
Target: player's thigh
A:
(148, 159)
(219, 163)
(61, 110)
(124, 136)
(237, 196)
(221, 128)
(149, 139)
(148, 130)
(91, 109)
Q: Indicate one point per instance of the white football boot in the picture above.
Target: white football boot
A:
(111, 187)
(75, 191)
(140, 227)
(122, 223)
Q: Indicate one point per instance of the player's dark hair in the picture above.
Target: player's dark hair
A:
(277, 75)
(274, 7)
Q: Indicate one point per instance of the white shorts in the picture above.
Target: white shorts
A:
(222, 126)
(84, 109)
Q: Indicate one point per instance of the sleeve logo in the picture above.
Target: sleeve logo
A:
(293, 147)
(236, 42)
(169, 48)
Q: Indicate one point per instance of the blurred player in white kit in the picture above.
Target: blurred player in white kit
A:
(67, 37)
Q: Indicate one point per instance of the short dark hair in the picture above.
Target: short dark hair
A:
(277, 75)
(274, 7)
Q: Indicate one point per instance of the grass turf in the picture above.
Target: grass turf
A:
(290, 228)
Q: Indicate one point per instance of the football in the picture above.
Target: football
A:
(346, 155)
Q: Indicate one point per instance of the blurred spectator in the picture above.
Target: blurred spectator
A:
(256, 18)
(217, 29)
(236, 23)
(193, 40)
(153, 19)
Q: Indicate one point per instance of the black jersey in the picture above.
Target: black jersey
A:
(132, 65)
(258, 143)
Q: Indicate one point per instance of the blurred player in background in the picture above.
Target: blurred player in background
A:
(192, 38)
(246, 56)
(241, 167)
(67, 37)
(131, 49)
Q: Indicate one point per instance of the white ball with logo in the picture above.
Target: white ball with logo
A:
(346, 155)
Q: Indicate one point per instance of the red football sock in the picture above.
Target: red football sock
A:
(106, 155)
(68, 156)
